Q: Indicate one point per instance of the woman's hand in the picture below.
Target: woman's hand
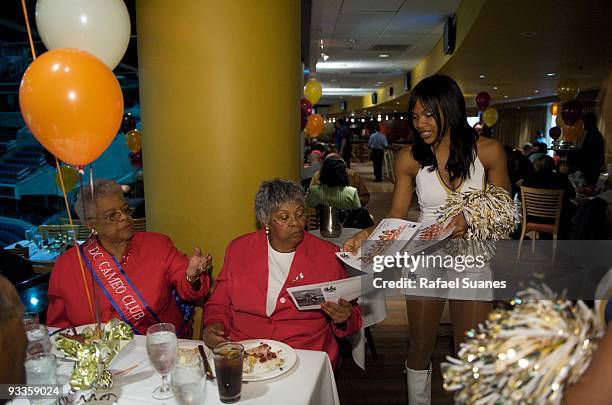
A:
(340, 312)
(214, 334)
(460, 224)
(354, 243)
(198, 263)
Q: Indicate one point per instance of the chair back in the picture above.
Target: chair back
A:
(313, 219)
(541, 203)
(20, 251)
(140, 224)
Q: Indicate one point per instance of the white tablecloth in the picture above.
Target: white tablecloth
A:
(310, 382)
(373, 304)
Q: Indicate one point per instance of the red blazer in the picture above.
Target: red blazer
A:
(239, 297)
(154, 266)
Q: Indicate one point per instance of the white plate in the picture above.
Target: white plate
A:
(126, 346)
(287, 353)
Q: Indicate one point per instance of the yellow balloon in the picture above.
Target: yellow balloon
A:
(555, 109)
(313, 91)
(567, 89)
(134, 140)
(573, 133)
(559, 121)
(490, 116)
(70, 177)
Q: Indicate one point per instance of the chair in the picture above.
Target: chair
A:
(540, 203)
(20, 251)
(140, 224)
(313, 219)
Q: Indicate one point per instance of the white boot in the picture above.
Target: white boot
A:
(419, 386)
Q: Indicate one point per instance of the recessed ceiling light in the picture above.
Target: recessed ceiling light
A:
(482, 76)
(505, 96)
(397, 103)
(527, 33)
(536, 91)
(383, 55)
(495, 87)
(551, 74)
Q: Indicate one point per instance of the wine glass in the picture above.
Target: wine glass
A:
(162, 351)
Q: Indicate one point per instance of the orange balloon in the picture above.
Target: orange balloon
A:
(134, 140)
(72, 103)
(555, 109)
(574, 132)
(314, 125)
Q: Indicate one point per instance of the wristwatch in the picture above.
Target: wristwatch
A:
(192, 280)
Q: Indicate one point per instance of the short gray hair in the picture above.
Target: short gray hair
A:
(272, 194)
(101, 188)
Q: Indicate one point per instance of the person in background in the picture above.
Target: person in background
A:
(539, 137)
(13, 341)
(539, 150)
(314, 164)
(482, 129)
(334, 190)
(527, 148)
(346, 142)
(519, 168)
(546, 178)
(378, 144)
(250, 299)
(354, 181)
(592, 152)
(337, 135)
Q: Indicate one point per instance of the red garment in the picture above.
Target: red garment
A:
(239, 297)
(154, 267)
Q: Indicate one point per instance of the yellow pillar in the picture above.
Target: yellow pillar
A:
(219, 93)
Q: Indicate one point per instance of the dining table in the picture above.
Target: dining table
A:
(310, 381)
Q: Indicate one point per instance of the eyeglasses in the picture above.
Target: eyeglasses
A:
(116, 216)
(284, 218)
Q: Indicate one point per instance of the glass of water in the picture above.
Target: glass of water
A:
(38, 340)
(188, 380)
(162, 352)
(41, 369)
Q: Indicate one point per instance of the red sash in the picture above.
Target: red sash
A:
(117, 287)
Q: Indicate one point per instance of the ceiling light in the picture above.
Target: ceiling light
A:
(505, 96)
(551, 74)
(495, 87)
(482, 76)
(536, 91)
(397, 103)
(401, 117)
(383, 55)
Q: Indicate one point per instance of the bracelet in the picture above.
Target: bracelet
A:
(192, 280)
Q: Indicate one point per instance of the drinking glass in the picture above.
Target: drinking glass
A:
(228, 358)
(188, 380)
(38, 340)
(30, 320)
(162, 352)
(41, 369)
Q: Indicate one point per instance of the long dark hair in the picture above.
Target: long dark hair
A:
(442, 96)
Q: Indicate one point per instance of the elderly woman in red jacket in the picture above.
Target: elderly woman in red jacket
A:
(137, 275)
(250, 299)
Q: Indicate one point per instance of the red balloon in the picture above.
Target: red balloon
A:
(306, 105)
(571, 112)
(303, 118)
(136, 159)
(555, 133)
(483, 99)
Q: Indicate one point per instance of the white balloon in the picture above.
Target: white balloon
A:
(100, 27)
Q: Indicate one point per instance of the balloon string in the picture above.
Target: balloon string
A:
(25, 13)
(59, 174)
